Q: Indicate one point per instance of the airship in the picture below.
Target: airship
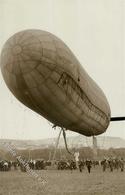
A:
(43, 73)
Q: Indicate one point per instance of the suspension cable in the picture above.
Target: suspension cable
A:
(65, 141)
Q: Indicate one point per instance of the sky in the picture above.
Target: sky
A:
(93, 30)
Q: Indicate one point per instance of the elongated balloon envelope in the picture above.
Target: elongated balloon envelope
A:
(43, 73)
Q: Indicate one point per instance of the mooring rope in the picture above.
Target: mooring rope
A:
(65, 141)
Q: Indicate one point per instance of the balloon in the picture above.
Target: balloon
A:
(43, 73)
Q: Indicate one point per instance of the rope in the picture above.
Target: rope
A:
(65, 141)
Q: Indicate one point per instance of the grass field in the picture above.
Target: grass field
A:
(63, 183)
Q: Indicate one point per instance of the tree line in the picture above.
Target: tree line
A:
(61, 153)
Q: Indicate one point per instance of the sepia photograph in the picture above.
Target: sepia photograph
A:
(62, 97)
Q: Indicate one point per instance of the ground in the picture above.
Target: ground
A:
(63, 183)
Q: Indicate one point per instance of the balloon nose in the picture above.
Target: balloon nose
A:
(21, 53)
(27, 55)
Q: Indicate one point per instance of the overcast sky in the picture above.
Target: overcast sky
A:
(95, 32)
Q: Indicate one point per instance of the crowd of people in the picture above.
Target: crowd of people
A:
(113, 163)
(38, 164)
(105, 164)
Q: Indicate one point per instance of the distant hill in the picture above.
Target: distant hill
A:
(74, 141)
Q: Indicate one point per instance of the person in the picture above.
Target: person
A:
(122, 164)
(110, 162)
(89, 165)
(104, 164)
(71, 167)
(81, 165)
(76, 156)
